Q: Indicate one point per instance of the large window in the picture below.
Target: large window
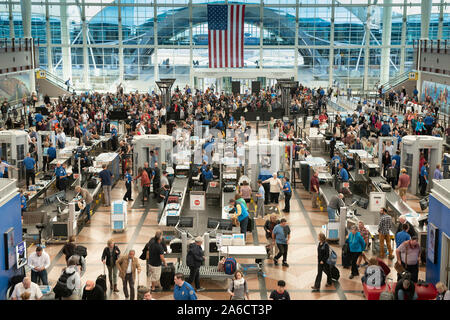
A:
(277, 24)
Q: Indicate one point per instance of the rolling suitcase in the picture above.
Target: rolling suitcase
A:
(374, 293)
(335, 274)
(425, 291)
(167, 275)
(141, 290)
(101, 281)
(346, 262)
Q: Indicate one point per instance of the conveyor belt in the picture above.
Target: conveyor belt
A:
(392, 198)
(179, 185)
(206, 272)
(327, 192)
(226, 196)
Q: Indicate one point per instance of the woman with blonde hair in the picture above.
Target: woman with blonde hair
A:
(443, 292)
(238, 289)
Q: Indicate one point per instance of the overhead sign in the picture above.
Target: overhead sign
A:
(413, 75)
(197, 200)
(40, 74)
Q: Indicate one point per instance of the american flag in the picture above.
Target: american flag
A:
(226, 36)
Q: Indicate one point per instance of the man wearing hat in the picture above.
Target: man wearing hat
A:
(194, 259)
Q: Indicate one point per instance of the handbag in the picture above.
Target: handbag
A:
(398, 265)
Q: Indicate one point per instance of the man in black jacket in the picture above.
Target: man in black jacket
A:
(194, 259)
(109, 257)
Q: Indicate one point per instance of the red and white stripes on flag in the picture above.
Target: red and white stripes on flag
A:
(226, 47)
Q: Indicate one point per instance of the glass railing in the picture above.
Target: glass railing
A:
(57, 81)
(396, 80)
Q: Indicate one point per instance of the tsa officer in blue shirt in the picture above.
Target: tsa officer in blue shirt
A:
(128, 180)
(385, 129)
(183, 290)
(23, 202)
(287, 194)
(61, 177)
(343, 174)
(207, 177)
(423, 179)
(30, 165)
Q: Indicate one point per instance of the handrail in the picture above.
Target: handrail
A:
(396, 80)
(57, 80)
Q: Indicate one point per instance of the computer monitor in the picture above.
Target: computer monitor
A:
(212, 223)
(60, 229)
(186, 222)
(226, 224)
(172, 221)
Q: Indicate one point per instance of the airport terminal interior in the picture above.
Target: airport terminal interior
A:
(217, 150)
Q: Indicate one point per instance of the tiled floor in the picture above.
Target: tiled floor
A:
(302, 255)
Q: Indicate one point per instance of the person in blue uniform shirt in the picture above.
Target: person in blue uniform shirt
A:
(128, 180)
(385, 129)
(219, 125)
(38, 117)
(61, 177)
(207, 177)
(114, 138)
(423, 179)
(183, 290)
(428, 121)
(398, 137)
(23, 202)
(335, 161)
(153, 159)
(336, 158)
(30, 165)
(343, 174)
(348, 121)
(287, 194)
(231, 120)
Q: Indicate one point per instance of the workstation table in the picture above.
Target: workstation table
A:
(43, 186)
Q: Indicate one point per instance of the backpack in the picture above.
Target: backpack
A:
(230, 265)
(61, 289)
(81, 251)
(332, 257)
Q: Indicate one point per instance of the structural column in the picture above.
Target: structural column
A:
(441, 20)
(121, 65)
(367, 51)
(65, 42)
(296, 42)
(26, 18)
(261, 34)
(11, 20)
(386, 42)
(49, 38)
(26, 24)
(403, 39)
(191, 54)
(155, 41)
(331, 53)
(426, 17)
(86, 77)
